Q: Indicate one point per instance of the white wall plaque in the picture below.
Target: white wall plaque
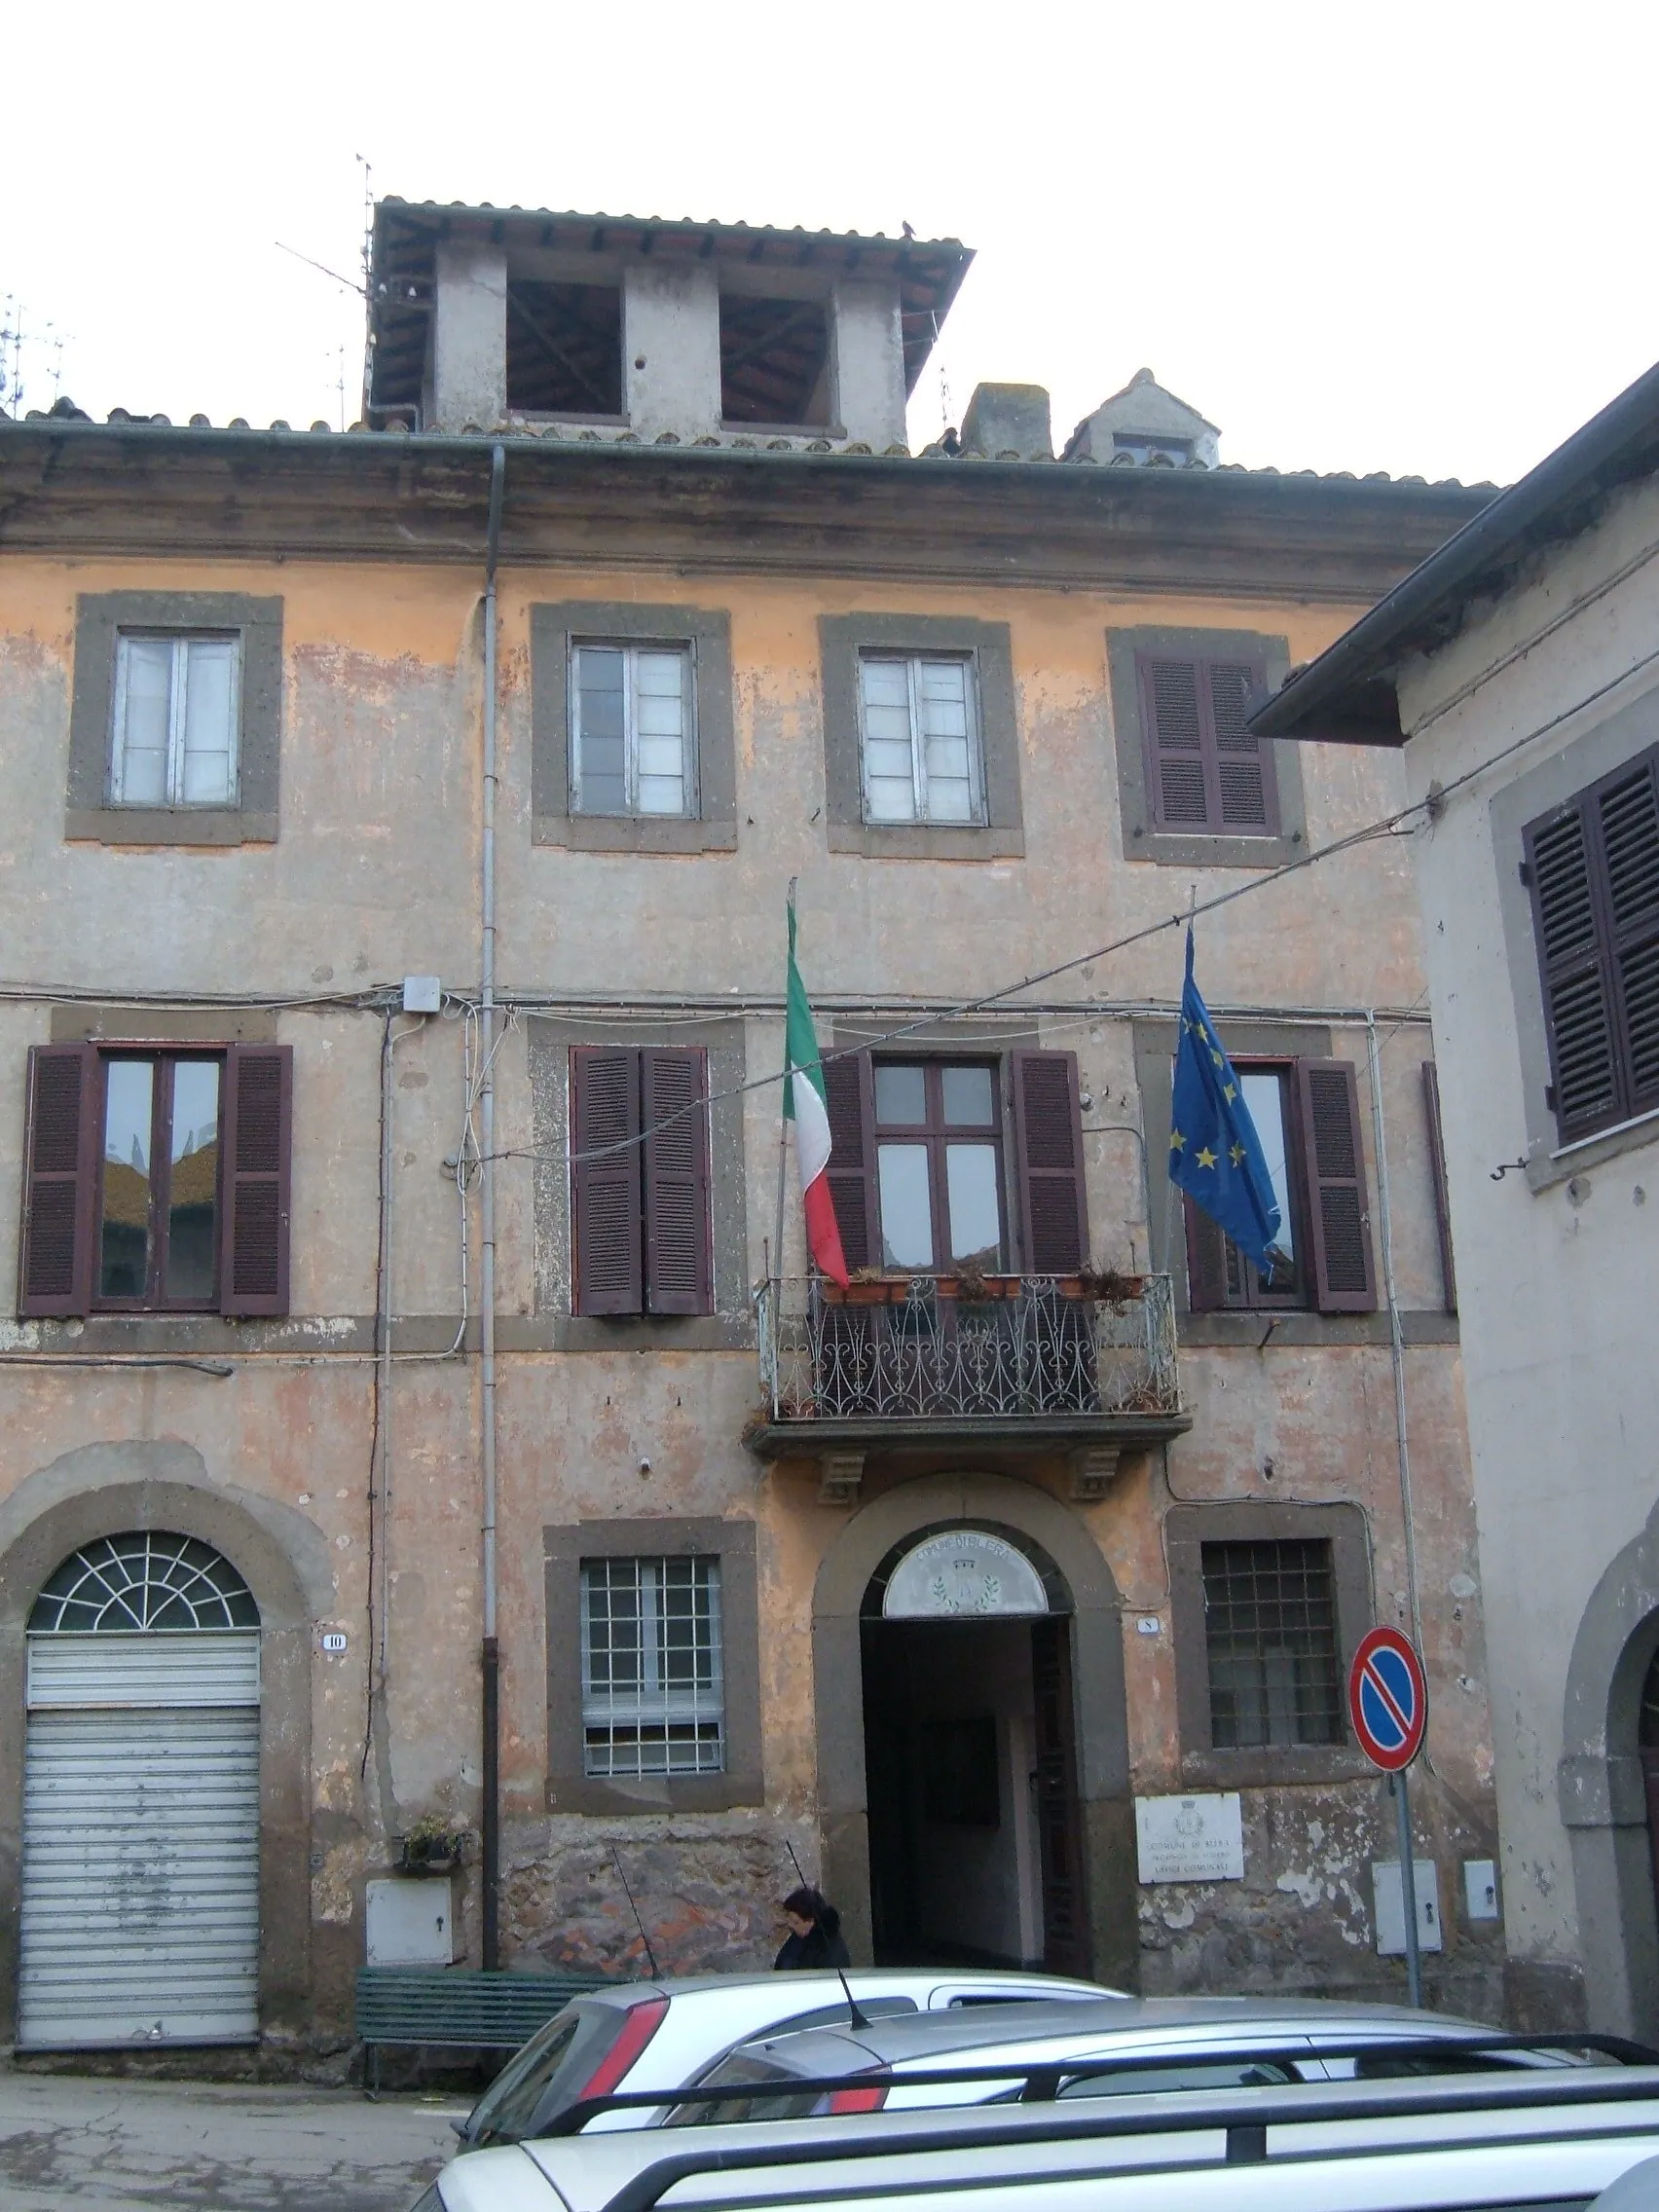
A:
(332, 1640)
(1191, 1839)
(964, 1574)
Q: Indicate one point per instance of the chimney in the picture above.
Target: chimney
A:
(1008, 421)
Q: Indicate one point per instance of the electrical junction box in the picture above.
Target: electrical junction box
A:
(423, 994)
(1479, 1889)
(1391, 1912)
(410, 1923)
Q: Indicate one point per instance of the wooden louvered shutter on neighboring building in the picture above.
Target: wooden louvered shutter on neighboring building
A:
(257, 1149)
(678, 1260)
(607, 1243)
(1593, 868)
(1048, 1125)
(60, 1176)
(1174, 744)
(849, 1101)
(1207, 770)
(1245, 795)
(1338, 1208)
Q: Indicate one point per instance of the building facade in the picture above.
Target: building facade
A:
(1517, 670)
(420, 1444)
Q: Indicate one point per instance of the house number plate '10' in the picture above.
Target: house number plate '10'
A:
(333, 1642)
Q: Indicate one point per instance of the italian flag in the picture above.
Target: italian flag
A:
(803, 1105)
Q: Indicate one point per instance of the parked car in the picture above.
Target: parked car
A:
(664, 2035)
(1542, 2139)
(1208, 2043)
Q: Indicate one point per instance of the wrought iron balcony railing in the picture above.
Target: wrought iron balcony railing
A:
(1002, 1348)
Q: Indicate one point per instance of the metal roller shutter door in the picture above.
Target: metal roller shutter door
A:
(140, 1889)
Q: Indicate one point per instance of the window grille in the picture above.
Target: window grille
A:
(144, 1580)
(631, 715)
(921, 751)
(1270, 1633)
(176, 710)
(653, 1688)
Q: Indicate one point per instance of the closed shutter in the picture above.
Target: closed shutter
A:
(1215, 1266)
(679, 1261)
(257, 1153)
(1593, 868)
(1207, 769)
(140, 1875)
(849, 1103)
(1048, 1125)
(60, 1173)
(1437, 1178)
(605, 1180)
(1339, 1212)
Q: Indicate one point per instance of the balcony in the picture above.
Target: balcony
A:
(1083, 1365)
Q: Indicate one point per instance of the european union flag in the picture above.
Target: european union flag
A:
(1215, 1155)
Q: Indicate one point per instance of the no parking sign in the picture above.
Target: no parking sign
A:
(1388, 1699)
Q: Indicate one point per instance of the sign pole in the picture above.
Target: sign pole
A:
(1408, 1887)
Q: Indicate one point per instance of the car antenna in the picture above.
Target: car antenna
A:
(657, 1971)
(855, 2017)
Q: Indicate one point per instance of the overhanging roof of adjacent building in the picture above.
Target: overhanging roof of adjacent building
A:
(407, 234)
(1348, 695)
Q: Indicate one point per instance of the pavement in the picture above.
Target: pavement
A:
(71, 2144)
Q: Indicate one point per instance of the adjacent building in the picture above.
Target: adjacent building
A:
(1516, 670)
(425, 1444)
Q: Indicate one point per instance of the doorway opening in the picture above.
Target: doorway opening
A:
(970, 1764)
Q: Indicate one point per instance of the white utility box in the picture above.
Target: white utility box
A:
(423, 994)
(1391, 1911)
(410, 1923)
(1479, 1889)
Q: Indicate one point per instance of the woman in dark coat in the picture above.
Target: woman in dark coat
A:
(813, 1940)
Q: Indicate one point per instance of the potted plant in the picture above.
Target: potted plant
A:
(431, 1847)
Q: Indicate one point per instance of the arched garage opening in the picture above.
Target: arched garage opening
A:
(141, 1808)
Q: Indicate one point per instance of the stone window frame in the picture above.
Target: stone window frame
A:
(1142, 841)
(99, 619)
(1600, 751)
(989, 646)
(1187, 1528)
(564, 1546)
(554, 628)
(731, 1325)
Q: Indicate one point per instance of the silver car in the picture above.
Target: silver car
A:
(644, 2036)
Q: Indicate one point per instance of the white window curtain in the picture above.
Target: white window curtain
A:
(176, 711)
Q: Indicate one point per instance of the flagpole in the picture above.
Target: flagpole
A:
(782, 1151)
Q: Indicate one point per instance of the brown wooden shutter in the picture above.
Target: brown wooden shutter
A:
(849, 1101)
(606, 1272)
(257, 1156)
(1207, 1257)
(60, 1156)
(1437, 1176)
(1173, 725)
(1243, 793)
(1338, 1208)
(1627, 820)
(1048, 1130)
(678, 1256)
(1578, 1012)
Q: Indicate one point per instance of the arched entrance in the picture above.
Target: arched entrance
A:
(140, 1832)
(937, 1840)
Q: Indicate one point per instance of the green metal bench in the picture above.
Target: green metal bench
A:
(448, 2007)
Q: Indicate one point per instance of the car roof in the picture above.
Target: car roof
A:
(906, 2036)
(869, 1982)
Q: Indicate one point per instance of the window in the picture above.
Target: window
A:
(630, 716)
(652, 1696)
(1306, 1115)
(1153, 452)
(1592, 867)
(774, 361)
(563, 349)
(1271, 1639)
(640, 1181)
(174, 739)
(917, 1168)
(939, 1165)
(156, 1180)
(921, 759)
(1205, 766)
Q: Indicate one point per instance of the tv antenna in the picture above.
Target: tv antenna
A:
(616, 1860)
(855, 2018)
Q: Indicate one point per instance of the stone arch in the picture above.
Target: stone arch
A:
(103, 1489)
(1603, 1799)
(1016, 1509)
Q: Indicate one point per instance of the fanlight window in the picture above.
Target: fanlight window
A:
(146, 1581)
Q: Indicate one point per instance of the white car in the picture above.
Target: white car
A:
(664, 2035)
(1544, 2139)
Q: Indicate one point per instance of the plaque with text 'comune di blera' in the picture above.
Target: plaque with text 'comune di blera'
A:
(964, 1574)
(1191, 1839)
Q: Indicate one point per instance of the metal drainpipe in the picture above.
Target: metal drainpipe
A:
(490, 1824)
(1396, 1340)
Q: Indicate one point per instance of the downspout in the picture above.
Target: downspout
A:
(491, 1822)
(1396, 1338)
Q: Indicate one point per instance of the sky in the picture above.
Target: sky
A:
(1413, 238)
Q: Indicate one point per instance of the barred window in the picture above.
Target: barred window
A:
(652, 1689)
(1270, 1635)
